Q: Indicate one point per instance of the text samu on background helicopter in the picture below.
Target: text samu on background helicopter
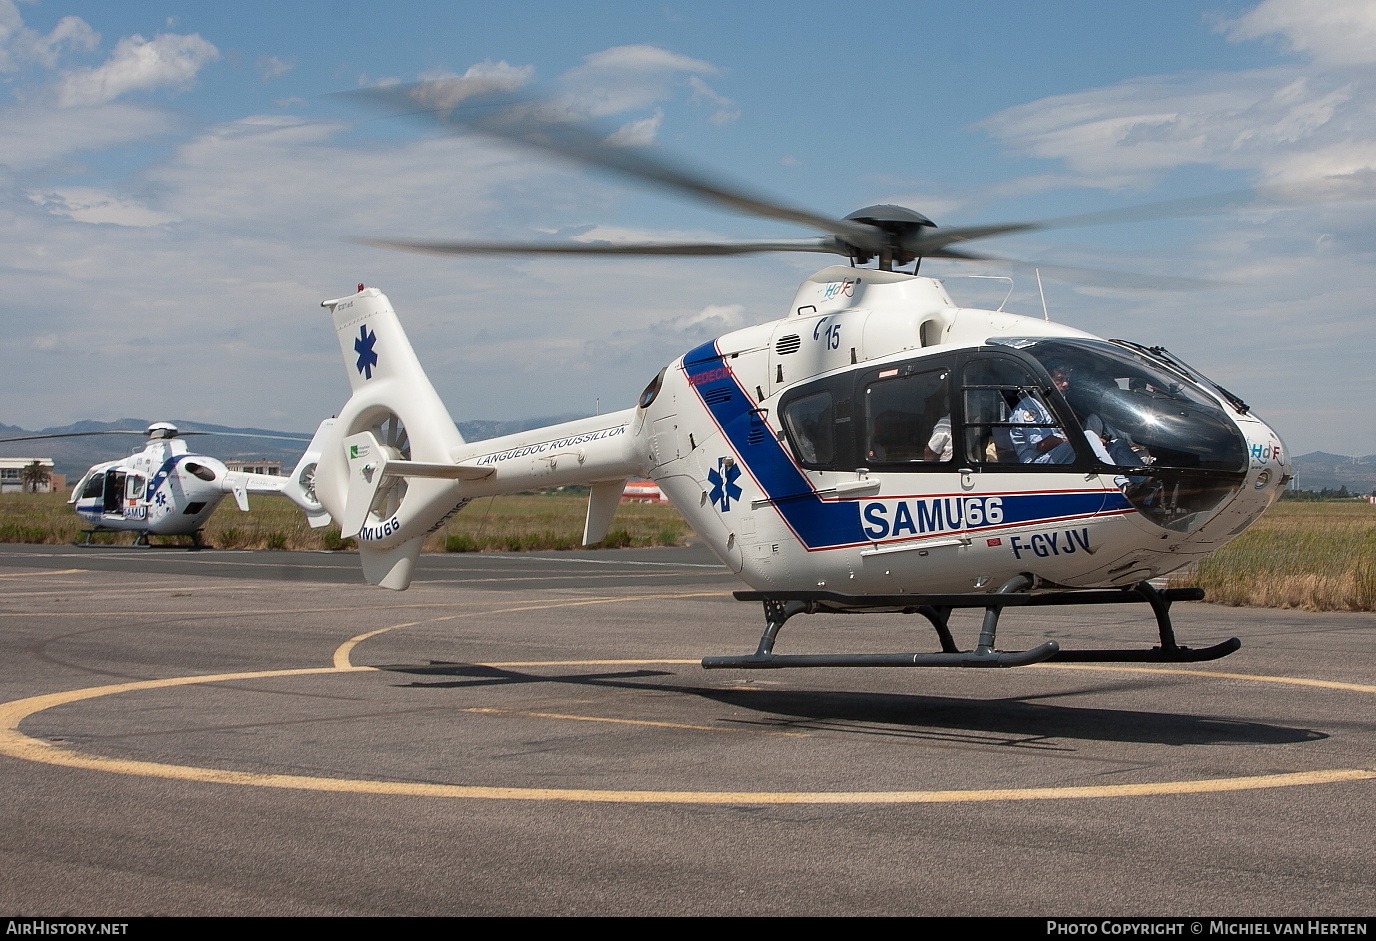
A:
(877, 449)
(165, 490)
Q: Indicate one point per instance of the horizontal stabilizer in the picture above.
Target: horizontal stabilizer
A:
(394, 468)
(603, 499)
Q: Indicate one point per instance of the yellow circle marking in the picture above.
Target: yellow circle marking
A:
(15, 744)
(1250, 677)
(42, 572)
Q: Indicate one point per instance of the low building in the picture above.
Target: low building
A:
(12, 474)
(643, 491)
(256, 466)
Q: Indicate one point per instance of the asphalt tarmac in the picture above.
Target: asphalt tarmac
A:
(253, 733)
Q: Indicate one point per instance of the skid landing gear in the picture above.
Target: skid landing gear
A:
(140, 539)
(780, 606)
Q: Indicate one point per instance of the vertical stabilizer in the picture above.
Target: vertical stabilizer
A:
(394, 415)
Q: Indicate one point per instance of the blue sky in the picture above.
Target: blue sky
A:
(178, 187)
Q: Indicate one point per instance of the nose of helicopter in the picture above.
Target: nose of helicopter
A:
(1268, 471)
(1268, 459)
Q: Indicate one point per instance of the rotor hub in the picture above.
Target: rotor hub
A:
(900, 226)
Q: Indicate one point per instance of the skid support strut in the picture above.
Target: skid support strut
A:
(779, 607)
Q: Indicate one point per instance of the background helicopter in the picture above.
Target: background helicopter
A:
(165, 490)
(878, 448)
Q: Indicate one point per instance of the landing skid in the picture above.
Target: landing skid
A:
(140, 540)
(780, 606)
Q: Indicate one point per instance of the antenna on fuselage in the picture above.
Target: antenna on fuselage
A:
(1046, 315)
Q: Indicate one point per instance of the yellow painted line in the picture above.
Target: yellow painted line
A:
(1250, 677)
(41, 572)
(342, 652)
(662, 725)
(17, 745)
(233, 612)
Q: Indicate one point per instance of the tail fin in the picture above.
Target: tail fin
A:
(394, 416)
(300, 488)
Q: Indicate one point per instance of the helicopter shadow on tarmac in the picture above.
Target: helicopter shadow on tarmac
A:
(1019, 720)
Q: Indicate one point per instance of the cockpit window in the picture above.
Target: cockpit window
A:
(95, 487)
(809, 421)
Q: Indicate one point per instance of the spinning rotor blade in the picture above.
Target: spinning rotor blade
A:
(143, 433)
(76, 434)
(824, 245)
(1331, 189)
(544, 125)
(1092, 277)
(243, 434)
(894, 236)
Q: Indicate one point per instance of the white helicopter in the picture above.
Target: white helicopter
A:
(878, 448)
(165, 490)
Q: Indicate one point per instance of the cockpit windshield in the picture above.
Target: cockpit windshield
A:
(1181, 451)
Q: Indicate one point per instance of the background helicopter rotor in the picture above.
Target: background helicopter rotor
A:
(151, 433)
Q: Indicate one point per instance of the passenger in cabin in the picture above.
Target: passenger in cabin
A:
(940, 446)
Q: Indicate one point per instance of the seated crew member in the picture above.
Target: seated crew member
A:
(1038, 439)
(940, 446)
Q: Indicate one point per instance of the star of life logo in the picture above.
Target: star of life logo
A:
(723, 480)
(367, 356)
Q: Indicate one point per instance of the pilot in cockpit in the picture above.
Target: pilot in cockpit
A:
(1038, 439)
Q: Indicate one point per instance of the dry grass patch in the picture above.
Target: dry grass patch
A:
(1313, 556)
(507, 523)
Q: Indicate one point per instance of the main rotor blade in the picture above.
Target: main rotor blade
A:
(542, 124)
(1092, 277)
(1331, 189)
(143, 433)
(822, 245)
(76, 434)
(244, 434)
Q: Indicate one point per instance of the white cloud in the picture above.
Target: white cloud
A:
(270, 67)
(20, 45)
(644, 59)
(137, 64)
(88, 204)
(625, 78)
(1332, 32)
(637, 133)
(34, 136)
(444, 90)
(1279, 123)
(725, 111)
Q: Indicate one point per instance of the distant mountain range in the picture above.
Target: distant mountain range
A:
(1320, 470)
(72, 456)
